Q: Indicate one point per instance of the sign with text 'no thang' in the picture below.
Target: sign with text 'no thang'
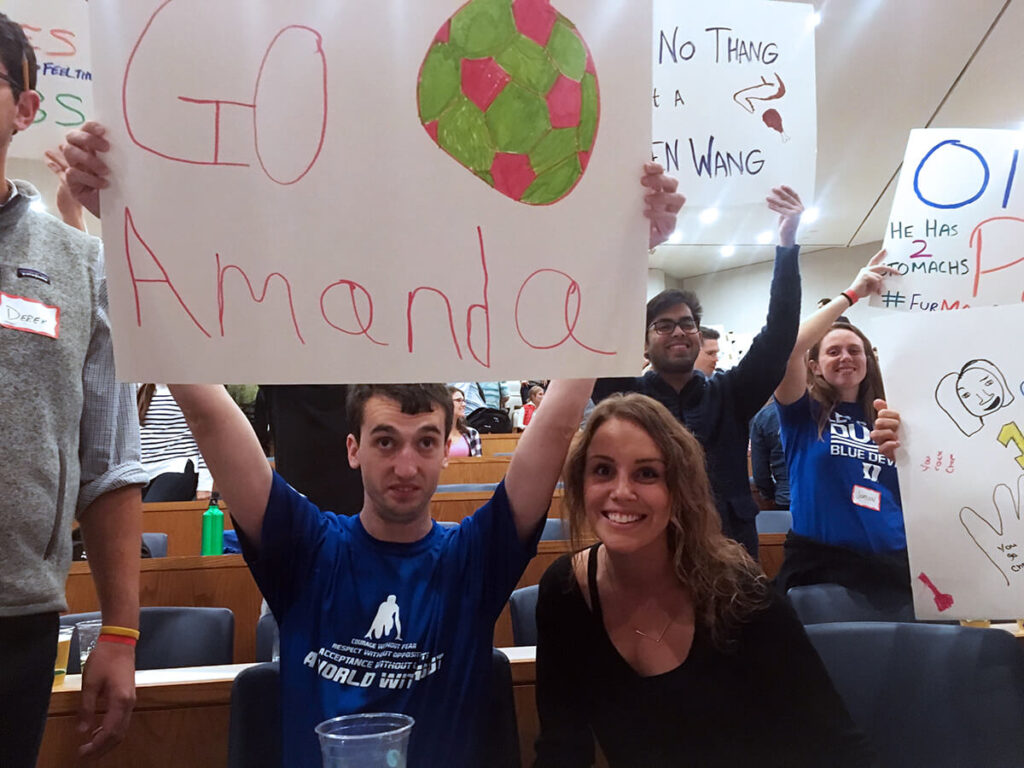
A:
(381, 191)
(734, 109)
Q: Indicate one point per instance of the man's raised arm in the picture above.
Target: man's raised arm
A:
(537, 462)
(231, 451)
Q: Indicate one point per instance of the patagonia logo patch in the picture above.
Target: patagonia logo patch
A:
(35, 274)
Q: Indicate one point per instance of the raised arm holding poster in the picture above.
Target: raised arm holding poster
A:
(956, 224)
(373, 192)
(734, 108)
(961, 468)
(59, 32)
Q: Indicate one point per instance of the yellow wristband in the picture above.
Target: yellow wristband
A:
(108, 629)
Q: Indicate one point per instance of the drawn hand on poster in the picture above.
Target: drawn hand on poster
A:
(766, 90)
(1002, 542)
(974, 392)
(509, 90)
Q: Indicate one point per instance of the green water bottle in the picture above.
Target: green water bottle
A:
(213, 528)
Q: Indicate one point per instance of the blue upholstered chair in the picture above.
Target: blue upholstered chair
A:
(254, 731)
(555, 529)
(823, 603)
(156, 543)
(523, 607)
(172, 637)
(266, 637)
(930, 695)
(774, 521)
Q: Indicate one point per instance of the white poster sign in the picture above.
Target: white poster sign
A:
(380, 191)
(59, 32)
(734, 108)
(957, 222)
(957, 379)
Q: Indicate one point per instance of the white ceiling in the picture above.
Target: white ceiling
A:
(883, 68)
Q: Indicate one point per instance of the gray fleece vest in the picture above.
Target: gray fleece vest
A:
(41, 402)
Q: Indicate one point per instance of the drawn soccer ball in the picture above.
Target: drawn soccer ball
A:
(509, 89)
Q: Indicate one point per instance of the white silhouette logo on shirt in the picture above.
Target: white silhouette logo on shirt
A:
(386, 620)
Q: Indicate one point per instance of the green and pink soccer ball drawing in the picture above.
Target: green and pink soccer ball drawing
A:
(509, 90)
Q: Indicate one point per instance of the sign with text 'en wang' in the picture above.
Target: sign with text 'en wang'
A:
(374, 192)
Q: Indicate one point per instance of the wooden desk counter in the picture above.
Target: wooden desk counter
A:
(218, 581)
(478, 469)
(503, 443)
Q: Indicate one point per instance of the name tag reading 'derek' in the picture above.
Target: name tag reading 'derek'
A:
(23, 314)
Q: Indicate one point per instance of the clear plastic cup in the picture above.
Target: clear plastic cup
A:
(374, 740)
(88, 636)
(60, 664)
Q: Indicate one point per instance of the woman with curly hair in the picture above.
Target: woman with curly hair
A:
(663, 640)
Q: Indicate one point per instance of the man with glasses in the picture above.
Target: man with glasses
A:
(718, 409)
(71, 449)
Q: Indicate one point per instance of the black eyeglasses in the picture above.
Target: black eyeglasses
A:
(16, 87)
(666, 326)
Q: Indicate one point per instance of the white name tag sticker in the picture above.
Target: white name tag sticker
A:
(865, 497)
(23, 314)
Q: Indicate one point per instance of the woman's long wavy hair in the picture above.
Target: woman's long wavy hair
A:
(143, 397)
(462, 425)
(725, 583)
(827, 396)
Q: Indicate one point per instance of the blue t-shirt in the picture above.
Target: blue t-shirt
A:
(372, 626)
(842, 490)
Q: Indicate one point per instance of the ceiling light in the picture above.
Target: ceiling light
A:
(810, 215)
(675, 238)
(709, 216)
(765, 237)
(728, 250)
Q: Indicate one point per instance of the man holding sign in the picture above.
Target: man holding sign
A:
(71, 448)
(718, 409)
(386, 610)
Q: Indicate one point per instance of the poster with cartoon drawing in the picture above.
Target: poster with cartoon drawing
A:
(381, 191)
(734, 109)
(957, 382)
(956, 223)
(58, 31)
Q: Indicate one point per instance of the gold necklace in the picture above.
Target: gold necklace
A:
(660, 634)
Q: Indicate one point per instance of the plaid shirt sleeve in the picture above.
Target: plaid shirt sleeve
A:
(475, 446)
(108, 448)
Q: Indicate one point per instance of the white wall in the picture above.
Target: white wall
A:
(738, 298)
(657, 282)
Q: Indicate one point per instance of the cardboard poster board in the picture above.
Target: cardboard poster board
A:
(957, 222)
(734, 109)
(957, 378)
(387, 191)
(59, 32)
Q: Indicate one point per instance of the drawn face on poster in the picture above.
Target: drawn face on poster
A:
(961, 467)
(967, 396)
